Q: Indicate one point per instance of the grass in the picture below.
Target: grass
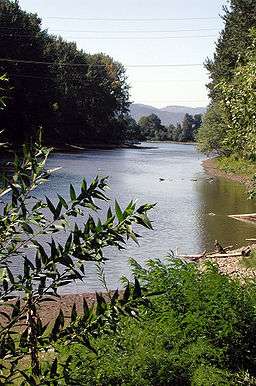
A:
(249, 262)
(239, 166)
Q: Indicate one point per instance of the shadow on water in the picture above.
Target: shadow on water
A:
(218, 200)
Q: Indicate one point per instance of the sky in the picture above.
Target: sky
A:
(146, 33)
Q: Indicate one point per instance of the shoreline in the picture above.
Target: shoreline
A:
(211, 168)
(230, 266)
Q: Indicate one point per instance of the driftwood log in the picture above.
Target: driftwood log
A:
(244, 252)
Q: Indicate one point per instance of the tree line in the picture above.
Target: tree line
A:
(150, 128)
(229, 125)
(75, 97)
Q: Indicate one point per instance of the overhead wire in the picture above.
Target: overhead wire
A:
(130, 19)
(98, 65)
(134, 81)
(120, 37)
(124, 31)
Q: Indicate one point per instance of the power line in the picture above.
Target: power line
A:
(122, 37)
(130, 19)
(124, 31)
(139, 31)
(131, 81)
(98, 65)
(168, 80)
(174, 101)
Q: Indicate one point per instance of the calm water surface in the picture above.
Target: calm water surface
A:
(184, 200)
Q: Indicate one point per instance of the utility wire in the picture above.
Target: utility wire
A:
(124, 31)
(121, 37)
(98, 65)
(174, 101)
(131, 81)
(130, 19)
(169, 81)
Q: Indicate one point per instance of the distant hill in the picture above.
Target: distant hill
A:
(169, 114)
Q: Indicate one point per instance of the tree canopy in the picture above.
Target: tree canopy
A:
(76, 97)
(151, 128)
(229, 124)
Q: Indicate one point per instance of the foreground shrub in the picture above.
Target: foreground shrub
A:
(199, 331)
(51, 250)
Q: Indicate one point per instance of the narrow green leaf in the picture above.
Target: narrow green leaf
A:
(72, 193)
(119, 213)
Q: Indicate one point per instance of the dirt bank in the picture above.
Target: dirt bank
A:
(233, 265)
(211, 168)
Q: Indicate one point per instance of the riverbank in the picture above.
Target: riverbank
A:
(238, 171)
(237, 267)
(212, 169)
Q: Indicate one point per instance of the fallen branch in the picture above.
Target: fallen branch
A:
(193, 257)
(244, 252)
(225, 255)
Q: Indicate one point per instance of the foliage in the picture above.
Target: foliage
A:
(239, 98)
(52, 250)
(210, 135)
(150, 125)
(229, 124)
(239, 17)
(3, 91)
(200, 330)
(76, 97)
(131, 129)
(253, 189)
(151, 128)
(236, 165)
(249, 262)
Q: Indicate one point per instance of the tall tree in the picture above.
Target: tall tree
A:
(76, 97)
(233, 42)
(150, 126)
(228, 122)
(187, 129)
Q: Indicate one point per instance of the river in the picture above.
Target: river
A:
(191, 210)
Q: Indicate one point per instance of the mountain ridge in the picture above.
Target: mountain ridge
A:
(169, 115)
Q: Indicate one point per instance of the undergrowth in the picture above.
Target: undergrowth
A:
(249, 262)
(199, 330)
(238, 166)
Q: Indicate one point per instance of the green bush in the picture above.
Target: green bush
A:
(200, 330)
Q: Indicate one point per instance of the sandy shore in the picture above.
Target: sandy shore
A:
(49, 310)
(232, 266)
(211, 168)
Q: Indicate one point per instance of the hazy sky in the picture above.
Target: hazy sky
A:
(135, 41)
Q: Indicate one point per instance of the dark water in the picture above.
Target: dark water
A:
(184, 200)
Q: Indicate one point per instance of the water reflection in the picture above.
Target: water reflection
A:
(185, 196)
(222, 198)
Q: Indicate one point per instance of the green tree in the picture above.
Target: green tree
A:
(239, 17)
(76, 97)
(197, 123)
(150, 126)
(131, 130)
(211, 136)
(228, 127)
(239, 96)
(187, 133)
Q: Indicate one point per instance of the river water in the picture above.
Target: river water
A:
(186, 201)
